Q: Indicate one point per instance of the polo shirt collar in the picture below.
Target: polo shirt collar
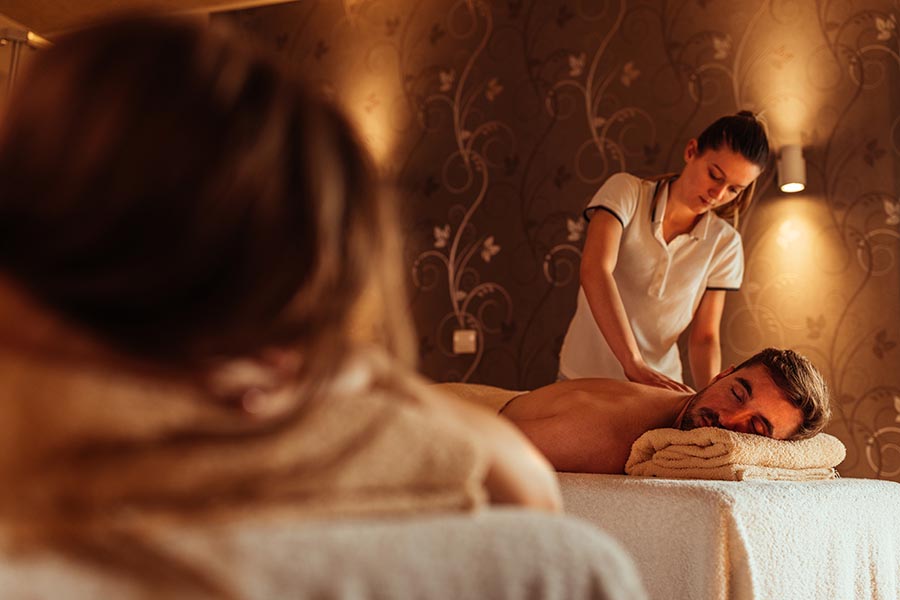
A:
(700, 230)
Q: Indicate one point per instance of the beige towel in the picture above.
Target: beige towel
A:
(73, 436)
(488, 396)
(712, 453)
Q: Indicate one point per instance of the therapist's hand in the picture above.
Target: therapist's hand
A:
(641, 373)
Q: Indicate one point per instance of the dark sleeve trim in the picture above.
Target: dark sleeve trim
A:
(590, 210)
(723, 289)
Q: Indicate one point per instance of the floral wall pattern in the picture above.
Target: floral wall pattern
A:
(498, 120)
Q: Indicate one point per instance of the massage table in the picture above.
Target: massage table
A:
(740, 540)
(737, 540)
(496, 554)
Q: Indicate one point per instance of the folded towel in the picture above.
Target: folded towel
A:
(712, 453)
(491, 397)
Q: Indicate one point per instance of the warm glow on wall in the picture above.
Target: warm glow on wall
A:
(369, 103)
(796, 242)
(789, 78)
(791, 233)
(790, 112)
(791, 253)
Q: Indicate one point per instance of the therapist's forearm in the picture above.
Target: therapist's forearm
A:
(705, 354)
(609, 312)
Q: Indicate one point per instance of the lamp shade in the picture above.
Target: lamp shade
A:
(791, 169)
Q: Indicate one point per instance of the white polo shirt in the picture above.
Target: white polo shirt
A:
(661, 284)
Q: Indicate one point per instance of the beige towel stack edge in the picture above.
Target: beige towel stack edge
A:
(712, 453)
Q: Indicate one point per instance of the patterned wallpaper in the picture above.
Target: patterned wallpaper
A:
(498, 120)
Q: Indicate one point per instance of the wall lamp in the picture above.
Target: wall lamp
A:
(791, 169)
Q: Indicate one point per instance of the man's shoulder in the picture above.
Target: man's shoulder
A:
(591, 391)
(606, 383)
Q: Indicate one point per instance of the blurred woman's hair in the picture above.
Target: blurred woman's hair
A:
(186, 201)
(184, 198)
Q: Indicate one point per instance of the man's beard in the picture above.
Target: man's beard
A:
(705, 417)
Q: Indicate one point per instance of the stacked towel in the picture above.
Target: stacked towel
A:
(712, 453)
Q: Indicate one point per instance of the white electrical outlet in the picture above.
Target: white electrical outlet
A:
(465, 341)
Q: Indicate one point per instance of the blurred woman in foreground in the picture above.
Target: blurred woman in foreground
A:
(186, 234)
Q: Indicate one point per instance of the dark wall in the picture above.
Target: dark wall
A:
(500, 119)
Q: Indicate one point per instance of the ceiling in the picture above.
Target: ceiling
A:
(50, 17)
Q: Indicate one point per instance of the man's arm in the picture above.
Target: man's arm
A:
(517, 472)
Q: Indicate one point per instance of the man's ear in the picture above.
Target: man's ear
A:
(724, 373)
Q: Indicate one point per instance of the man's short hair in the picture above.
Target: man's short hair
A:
(801, 382)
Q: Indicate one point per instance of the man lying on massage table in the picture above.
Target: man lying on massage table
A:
(589, 425)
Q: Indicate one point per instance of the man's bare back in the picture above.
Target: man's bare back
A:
(589, 425)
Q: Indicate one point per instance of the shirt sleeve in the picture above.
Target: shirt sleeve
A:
(619, 195)
(727, 271)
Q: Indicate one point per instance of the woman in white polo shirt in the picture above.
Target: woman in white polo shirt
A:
(659, 256)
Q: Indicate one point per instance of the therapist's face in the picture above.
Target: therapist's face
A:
(746, 401)
(715, 177)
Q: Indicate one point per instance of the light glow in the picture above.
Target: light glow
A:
(791, 233)
(791, 188)
(36, 41)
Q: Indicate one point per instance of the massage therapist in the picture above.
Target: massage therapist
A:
(659, 256)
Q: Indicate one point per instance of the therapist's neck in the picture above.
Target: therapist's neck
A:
(678, 218)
